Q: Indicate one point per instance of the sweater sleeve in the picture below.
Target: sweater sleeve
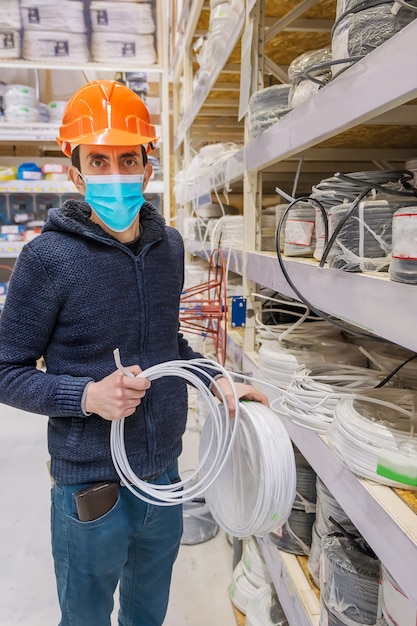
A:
(26, 327)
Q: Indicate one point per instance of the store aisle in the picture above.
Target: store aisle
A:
(27, 585)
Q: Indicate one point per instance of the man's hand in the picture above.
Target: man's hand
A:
(117, 395)
(244, 392)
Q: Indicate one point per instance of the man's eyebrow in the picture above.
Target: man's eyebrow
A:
(97, 155)
(133, 153)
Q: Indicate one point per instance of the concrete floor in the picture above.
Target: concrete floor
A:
(202, 572)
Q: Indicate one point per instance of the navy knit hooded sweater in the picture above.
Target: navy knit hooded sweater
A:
(75, 295)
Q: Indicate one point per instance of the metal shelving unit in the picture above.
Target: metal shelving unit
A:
(373, 92)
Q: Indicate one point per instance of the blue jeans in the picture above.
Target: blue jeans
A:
(135, 544)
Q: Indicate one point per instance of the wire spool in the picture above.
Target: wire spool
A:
(253, 564)
(299, 232)
(375, 437)
(327, 507)
(294, 536)
(264, 609)
(306, 492)
(403, 267)
(266, 107)
(279, 318)
(198, 523)
(397, 609)
(228, 232)
(313, 561)
(280, 361)
(255, 489)
(241, 589)
(349, 580)
(307, 73)
(315, 391)
(364, 241)
(356, 34)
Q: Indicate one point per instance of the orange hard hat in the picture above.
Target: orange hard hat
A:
(107, 113)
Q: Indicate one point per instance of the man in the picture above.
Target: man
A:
(105, 273)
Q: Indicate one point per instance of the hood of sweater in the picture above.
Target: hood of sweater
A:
(74, 217)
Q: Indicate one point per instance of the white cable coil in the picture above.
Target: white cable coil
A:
(263, 608)
(280, 361)
(247, 466)
(397, 609)
(189, 488)
(315, 392)
(374, 436)
(253, 564)
(256, 486)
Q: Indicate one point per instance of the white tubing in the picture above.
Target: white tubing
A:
(247, 467)
(222, 440)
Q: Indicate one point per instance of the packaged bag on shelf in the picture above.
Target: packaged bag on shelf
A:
(66, 15)
(123, 46)
(403, 266)
(303, 69)
(266, 107)
(10, 15)
(300, 237)
(364, 241)
(396, 607)
(359, 33)
(55, 46)
(122, 17)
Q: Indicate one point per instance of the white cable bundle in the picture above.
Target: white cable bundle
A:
(263, 608)
(228, 231)
(314, 327)
(374, 435)
(314, 392)
(122, 17)
(256, 486)
(253, 563)
(280, 361)
(219, 446)
(48, 15)
(247, 466)
(397, 609)
(49, 45)
(126, 46)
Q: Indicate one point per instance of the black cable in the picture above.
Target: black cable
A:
(369, 185)
(388, 378)
(387, 175)
(326, 64)
(328, 246)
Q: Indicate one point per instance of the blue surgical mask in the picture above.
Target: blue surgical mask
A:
(116, 199)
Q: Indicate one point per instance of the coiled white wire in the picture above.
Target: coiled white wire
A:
(247, 466)
(366, 429)
(256, 487)
(220, 445)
